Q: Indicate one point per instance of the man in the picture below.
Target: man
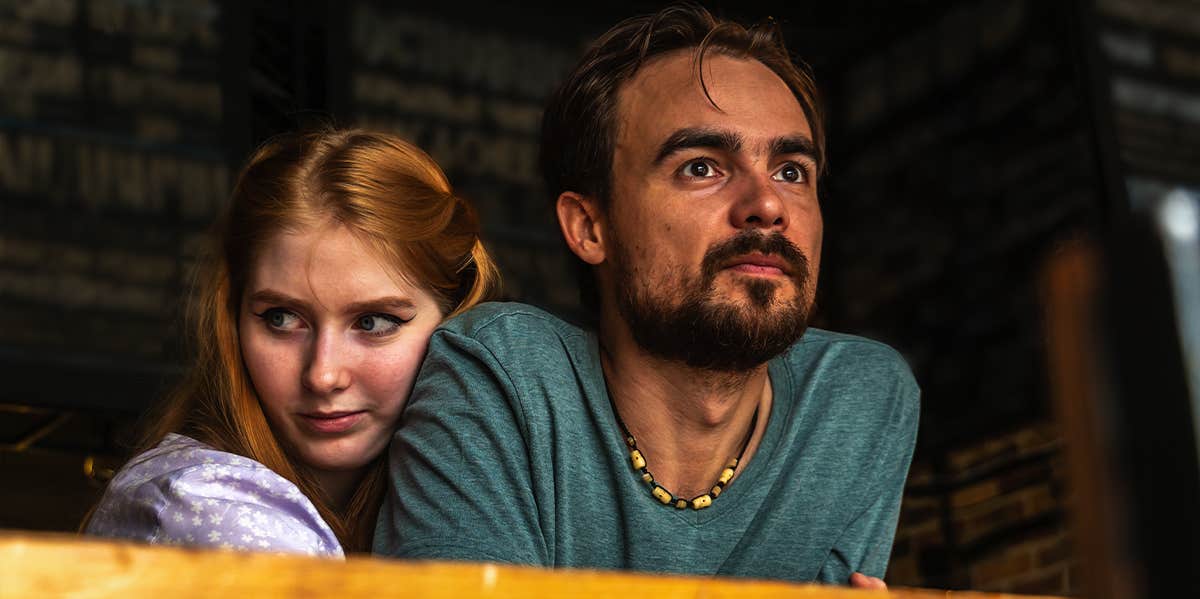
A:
(699, 428)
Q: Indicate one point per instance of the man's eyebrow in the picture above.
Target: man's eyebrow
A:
(698, 137)
(795, 144)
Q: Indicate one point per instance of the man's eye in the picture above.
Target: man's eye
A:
(699, 168)
(791, 173)
(280, 319)
(378, 324)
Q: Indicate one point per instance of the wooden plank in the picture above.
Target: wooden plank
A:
(59, 565)
(1080, 385)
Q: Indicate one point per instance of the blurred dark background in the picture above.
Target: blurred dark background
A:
(968, 140)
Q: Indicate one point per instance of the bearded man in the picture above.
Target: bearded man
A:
(700, 428)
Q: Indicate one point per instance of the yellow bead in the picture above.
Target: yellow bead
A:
(661, 494)
(701, 502)
(647, 477)
(680, 504)
(639, 462)
(716, 491)
(629, 441)
(726, 476)
(732, 463)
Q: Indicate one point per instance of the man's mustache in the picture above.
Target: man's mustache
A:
(750, 242)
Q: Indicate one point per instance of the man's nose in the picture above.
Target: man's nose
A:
(326, 371)
(759, 205)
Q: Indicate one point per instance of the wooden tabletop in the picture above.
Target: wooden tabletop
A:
(56, 565)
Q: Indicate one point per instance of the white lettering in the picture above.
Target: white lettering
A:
(59, 13)
(26, 163)
(176, 22)
(448, 52)
(34, 74)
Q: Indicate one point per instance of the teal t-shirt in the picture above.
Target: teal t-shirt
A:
(508, 451)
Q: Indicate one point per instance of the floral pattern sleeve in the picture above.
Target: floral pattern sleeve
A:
(183, 492)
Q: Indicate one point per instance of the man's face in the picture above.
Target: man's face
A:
(714, 229)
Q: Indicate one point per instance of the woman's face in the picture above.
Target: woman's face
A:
(332, 339)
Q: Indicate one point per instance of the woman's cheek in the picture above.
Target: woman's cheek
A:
(273, 368)
(393, 377)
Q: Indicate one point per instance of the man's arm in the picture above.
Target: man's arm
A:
(459, 472)
(866, 544)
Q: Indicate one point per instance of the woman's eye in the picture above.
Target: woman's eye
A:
(791, 173)
(280, 319)
(699, 169)
(378, 324)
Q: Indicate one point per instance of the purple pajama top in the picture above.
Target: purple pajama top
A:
(183, 492)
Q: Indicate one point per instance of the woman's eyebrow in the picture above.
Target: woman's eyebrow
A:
(271, 296)
(393, 302)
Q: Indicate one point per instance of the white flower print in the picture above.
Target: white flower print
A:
(191, 489)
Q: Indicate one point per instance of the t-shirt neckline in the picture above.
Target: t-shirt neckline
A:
(779, 378)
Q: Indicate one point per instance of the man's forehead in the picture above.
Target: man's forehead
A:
(744, 95)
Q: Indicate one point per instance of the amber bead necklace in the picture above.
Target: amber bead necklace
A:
(660, 492)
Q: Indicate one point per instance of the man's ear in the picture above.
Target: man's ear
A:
(582, 225)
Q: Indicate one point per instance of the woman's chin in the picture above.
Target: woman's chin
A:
(337, 457)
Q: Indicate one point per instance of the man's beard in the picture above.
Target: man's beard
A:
(701, 330)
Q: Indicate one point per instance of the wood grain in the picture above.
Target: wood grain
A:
(57, 565)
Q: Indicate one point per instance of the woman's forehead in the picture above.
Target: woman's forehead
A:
(330, 265)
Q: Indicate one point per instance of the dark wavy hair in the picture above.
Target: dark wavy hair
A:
(579, 123)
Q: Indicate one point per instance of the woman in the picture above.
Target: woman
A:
(338, 256)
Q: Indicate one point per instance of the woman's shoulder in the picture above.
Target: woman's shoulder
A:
(180, 455)
(185, 492)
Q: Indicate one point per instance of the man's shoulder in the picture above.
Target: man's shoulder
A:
(509, 324)
(853, 384)
(525, 344)
(847, 346)
(850, 358)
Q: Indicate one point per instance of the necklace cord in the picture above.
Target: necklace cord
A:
(659, 492)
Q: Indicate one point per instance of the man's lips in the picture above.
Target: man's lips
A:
(331, 422)
(761, 264)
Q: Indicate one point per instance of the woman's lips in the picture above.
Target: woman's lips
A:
(331, 423)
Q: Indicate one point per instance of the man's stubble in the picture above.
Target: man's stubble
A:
(687, 321)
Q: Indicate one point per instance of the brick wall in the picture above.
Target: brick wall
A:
(990, 516)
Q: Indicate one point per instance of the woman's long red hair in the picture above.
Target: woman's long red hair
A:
(385, 191)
